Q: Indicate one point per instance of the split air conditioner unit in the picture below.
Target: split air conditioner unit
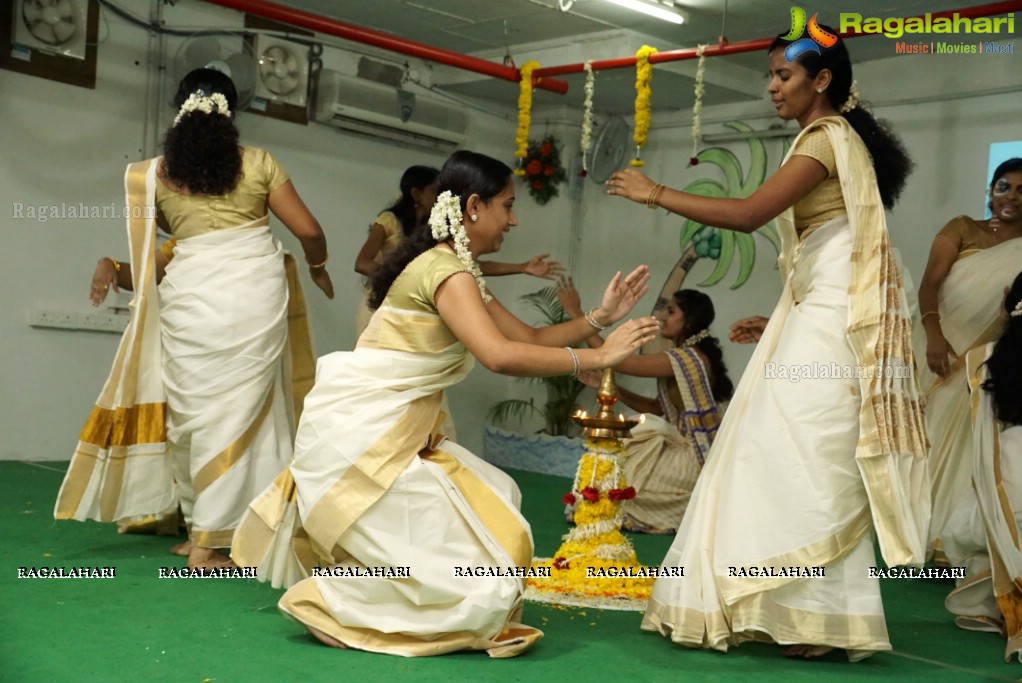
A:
(382, 111)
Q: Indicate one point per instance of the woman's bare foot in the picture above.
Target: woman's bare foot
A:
(208, 558)
(182, 549)
(807, 651)
(325, 639)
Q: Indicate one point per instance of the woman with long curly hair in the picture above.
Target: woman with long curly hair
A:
(198, 410)
(823, 444)
(984, 527)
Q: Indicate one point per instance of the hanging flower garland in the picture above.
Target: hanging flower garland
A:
(697, 108)
(643, 80)
(524, 114)
(587, 116)
(543, 170)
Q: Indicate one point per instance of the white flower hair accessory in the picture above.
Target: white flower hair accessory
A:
(697, 337)
(1017, 311)
(586, 142)
(853, 98)
(445, 222)
(207, 104)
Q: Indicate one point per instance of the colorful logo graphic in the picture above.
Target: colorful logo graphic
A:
(817, 36)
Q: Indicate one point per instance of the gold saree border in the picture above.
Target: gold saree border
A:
(219, 464)
(748, 622)
(370, 476)
(304, 603)
(502, 523)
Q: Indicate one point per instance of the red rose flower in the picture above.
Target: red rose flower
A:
(535, 167)
(622, 494)
(569, 498)
(591, 493)
(561, 563)
(693, 161)
(545, 149)
(548, 170)
(582, 173)
(537, 184)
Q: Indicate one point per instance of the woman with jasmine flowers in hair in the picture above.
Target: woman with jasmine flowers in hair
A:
(983, 531)
(668, 450)
(802, 475)
(375, 484)
(198, 410)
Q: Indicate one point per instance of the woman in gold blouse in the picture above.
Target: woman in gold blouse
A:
(205, 370)
(971, 262)
(823, 439)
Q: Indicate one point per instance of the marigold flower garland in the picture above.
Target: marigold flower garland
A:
(697, 108)
(445, 222)
(596, 564)
(524, 113)
(587, 116)
(643, 92)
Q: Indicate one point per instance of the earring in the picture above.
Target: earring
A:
(819, 90)
(474, 217)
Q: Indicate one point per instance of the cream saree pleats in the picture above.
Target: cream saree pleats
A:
(983, 529)
(120, 468)
(224, 329)
(374, 485)
(816, 449)
(969, 306)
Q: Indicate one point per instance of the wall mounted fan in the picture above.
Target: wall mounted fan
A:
(53, 26)
(228, 53)
(609, 149)
(283, 71)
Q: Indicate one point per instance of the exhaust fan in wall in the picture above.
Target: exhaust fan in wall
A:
(51, 26)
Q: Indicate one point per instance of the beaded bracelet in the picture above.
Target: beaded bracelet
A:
(317, 266)
(591, 319)
(576, 363)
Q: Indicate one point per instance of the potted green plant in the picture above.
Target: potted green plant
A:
(553, 449)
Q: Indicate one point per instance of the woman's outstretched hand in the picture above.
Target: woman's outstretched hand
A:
(103, 279)
(748, 330)
(621, 295)
(322, 280)
(539, 266)
(624, 341)
(631, 184)
(571, 302)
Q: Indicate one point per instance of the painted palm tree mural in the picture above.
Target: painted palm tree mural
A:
(702, 241)
(724, 245)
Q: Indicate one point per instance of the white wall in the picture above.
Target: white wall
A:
(67, 144)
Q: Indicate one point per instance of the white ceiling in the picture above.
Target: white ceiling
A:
(518, 30)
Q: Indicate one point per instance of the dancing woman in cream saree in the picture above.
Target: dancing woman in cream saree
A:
(205, 360)
(982, 532)
(374, 485)
(821, 445)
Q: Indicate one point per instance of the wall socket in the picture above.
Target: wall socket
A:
(95, 321)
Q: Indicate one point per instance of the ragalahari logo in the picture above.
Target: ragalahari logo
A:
(816, 39)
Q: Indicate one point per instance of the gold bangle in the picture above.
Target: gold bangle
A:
(117, 266)
(923, 316)
(654, 195)
(317, 266)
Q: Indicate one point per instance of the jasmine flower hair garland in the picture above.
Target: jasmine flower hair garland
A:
(445, 221)
(200, 101)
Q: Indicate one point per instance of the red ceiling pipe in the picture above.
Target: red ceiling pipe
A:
(312, 22)
(725, 48)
